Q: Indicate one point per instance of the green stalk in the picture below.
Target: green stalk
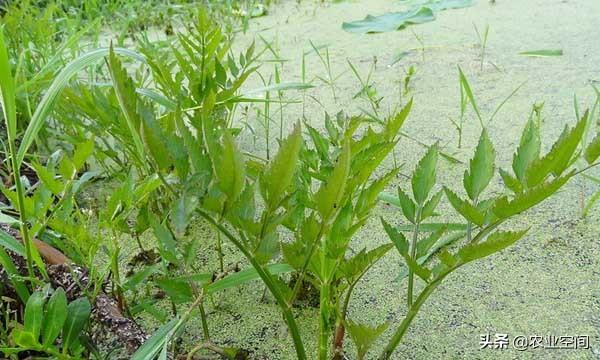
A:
(311, 251)
(324, 328)
(424, 295)
(413, 255)
(21, 203)
(269, 282)
(412, 312)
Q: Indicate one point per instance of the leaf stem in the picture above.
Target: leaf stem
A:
(269, 282)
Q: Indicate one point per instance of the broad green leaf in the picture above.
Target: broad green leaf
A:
(24, 339)
(494, 243)
(34, 314)
(391, 199)
(10, 243)
(528, 150)
(247, 275)
(466, 209)
(83, 151)
(151, 347)
(140, 276)
(593, 150)
(542, 53)
(78, 313)
(278, 177)
(13, 273)
(331, 193)
(7, 90)
(55, 317)
(167, 245)
(481, 167)
(504, 208)
(230, 169)
(559, 157)
(424, 175)
(390, 21)
(178, 291)
(182, 212)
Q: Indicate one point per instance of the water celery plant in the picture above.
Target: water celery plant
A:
(534, 179)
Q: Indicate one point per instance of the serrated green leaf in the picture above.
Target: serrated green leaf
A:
(424, 175)
(154, 137)
(407, 205)
(355, 267)
(431, 205)
(447, 258)
(368, 196)
(393, 125)
(47, 178)
(481, 167)
(421, 271)
(559, 157)
(397, 238)
(230, 169)
(464, 208)
(278, 177)
(494, 243)
(505, 207)
(425, 244)
(127, 98)
(511, 182)
(528, 150)
(331, 193)
(82, 152)
(56, 315)
(364, 336)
